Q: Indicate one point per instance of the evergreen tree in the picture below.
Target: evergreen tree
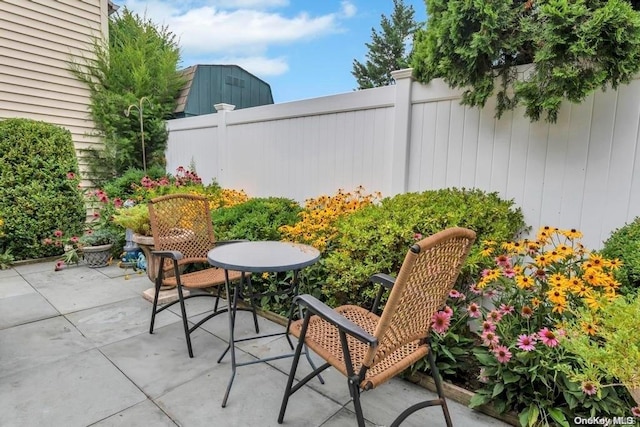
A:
(387, 50)
(139, 60)
(572, 48)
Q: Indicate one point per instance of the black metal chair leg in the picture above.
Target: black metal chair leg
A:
(441, 401)
(185, 322)
(437, 379)
(155, 304)
(354, 390)
(294, 367)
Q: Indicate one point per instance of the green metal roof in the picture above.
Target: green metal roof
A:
(207, 85)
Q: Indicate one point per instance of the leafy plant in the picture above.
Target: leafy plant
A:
(607, 343)
(572, 48)
(98, 237)
(535, 287)
(255, 219)
(375, 239)
(624, 244)
(38, 186)
(124, 186)
(139, 60)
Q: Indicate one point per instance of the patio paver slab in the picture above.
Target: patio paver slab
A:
(159, 362)
(26, 308)
(117, 321)
(75, 391)
(38, 343)
(145, 414)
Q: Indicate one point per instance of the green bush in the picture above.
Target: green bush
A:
(255, 219)
(624, 244)
(375, 239)
(38, 186)
(124, 186)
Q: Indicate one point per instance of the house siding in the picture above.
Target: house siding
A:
(38, 40)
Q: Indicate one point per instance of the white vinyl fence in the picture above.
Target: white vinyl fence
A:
(581, 172)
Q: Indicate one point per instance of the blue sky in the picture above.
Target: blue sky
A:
(303, 49)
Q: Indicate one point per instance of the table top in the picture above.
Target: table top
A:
(263, 256)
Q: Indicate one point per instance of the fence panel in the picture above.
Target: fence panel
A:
(581, 172)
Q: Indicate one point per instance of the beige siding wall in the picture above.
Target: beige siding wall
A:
(38, 40)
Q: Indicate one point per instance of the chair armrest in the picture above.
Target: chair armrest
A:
(320, 309)
(384, 279)
(174, 255)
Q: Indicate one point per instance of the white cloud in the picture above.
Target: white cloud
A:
(348, 9)
(210, 30)
(239, 30)
(248, 4)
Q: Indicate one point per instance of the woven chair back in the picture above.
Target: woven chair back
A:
(182, 222)
(426, 277)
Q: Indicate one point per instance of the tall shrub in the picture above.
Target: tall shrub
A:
(140, 60)
(624, 244)
(38, 186)
(375, 238)
(571, 49)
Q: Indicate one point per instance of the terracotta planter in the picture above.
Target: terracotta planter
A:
(146, 246)
(97, 256)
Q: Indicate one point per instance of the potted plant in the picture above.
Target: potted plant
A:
(96, 246)
(606, 339)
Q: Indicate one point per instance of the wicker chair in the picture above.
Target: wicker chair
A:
(183, 234)
(370, 349)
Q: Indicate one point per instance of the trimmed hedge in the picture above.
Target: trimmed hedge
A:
(375, 239)
(624, 244)
(38, 186)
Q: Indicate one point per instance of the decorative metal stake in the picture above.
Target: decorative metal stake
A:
(140, 109)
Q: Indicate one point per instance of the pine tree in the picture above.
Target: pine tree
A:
(387, 50)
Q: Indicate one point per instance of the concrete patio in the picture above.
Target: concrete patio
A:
(75, 351)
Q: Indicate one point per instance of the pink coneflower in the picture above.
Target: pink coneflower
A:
(417, 236)
(180, 169)
(502, 353)
(548, 337)
(490, 339)
(589, 388)
(455, 294)
(503, 261)
(59, 265)
(488, 326)
(494, 316)
(485, 272)
(526, 342)
(440, 322)
(526, 312)
(74, 239)
(58, 233)
(509, 273)
(636, 411)
(474, 310)
(71, 175)
(506, 309)
(474, 289)
(117, 202)
(447, 310)
(47, 241)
